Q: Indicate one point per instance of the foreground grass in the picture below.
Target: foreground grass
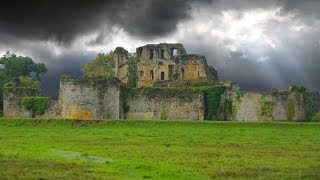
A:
(158, 149)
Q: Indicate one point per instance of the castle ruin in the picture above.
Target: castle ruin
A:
(170, 84)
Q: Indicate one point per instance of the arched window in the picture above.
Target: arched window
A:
(162, 76)
(174, 52)
(141, 73)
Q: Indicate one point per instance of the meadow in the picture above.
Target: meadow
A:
(68, 149)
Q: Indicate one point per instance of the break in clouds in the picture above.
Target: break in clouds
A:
(263, 44)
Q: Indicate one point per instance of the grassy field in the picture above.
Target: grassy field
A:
(158, 149)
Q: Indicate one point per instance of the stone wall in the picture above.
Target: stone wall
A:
(121, 64)
(12, 101)
(85, 99)
(13, 106)
(158, 63)
(107, 99)
(165, 104)
(278, 106)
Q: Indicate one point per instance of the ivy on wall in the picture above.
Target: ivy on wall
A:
(266, 107)
(38, 105)
(212, 101)
(297, 89)
(124, 101)
(290, 111)
(212, 97)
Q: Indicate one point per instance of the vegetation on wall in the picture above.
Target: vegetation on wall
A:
(312, 101)
(12, 67)
(124, 101)
(297, 89)
(237, 98)
(163, 115)
(290, 111)
(193, 82)
(212, 101)
(212, 97)
(38, 105)
(266, 108)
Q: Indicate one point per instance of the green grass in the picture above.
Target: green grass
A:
(158, 149)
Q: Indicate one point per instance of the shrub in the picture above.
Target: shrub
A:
(38, 105)
(297, 89)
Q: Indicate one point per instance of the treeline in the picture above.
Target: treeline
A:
(17, 68)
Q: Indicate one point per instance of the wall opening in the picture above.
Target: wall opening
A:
(150, 53)
(151, 74)
(141, 73)
(170, 67)
(162, 54)
(198, 74)
(174, 52)
(162, 76)
(182, 73)
(160, 63)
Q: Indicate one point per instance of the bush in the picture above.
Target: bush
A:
(297, 89)
(38, 105)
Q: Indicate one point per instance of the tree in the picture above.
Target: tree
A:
(12, 67)
(16, 66)
(132, 70)
(100, 67)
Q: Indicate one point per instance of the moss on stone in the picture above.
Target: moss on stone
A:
(266, 108)
(124, 101)
(212, 96)
(290, 111)
(163, 115)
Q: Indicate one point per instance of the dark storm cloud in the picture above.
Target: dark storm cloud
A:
(64, 20)
(29, 26)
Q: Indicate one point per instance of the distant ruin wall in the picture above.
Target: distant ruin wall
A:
(13, 107)
(169, 104)
(107, 99)
(277, 106)
(85, 99)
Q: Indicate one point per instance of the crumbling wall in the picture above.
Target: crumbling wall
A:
(170, 104)
(13, 106)
(273, 106)
(12, 101)
(159, 64)
(193, 66)
(121, 64)
(90, 99)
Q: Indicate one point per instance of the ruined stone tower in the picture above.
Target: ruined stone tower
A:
(161, 63)
(121, 64)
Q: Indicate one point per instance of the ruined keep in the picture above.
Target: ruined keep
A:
(170, 85)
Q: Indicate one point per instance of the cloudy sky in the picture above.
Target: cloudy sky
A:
(262, 44)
